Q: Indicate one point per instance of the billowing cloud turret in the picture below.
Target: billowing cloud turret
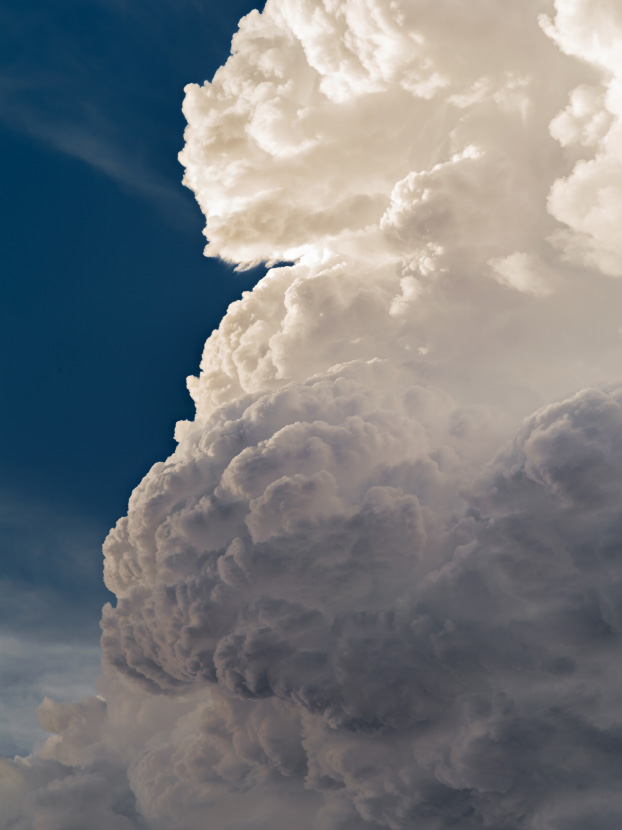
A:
(371, 589)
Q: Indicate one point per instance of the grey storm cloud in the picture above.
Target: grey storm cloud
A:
(370, 588)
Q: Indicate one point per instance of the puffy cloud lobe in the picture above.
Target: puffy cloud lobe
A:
(457, 333)
(522, 619)
(295, 530)
(325, 87)
(410, 85)
(588, 200)
(334, 609)
(45, 793)
(480, 690)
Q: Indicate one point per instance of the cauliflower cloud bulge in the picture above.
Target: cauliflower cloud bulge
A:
(371, 589)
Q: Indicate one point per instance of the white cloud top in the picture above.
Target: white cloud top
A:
(350, 599)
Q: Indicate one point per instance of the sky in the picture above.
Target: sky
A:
(106, 302)
(376, 581)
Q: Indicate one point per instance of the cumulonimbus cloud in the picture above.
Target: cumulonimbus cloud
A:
(369, 588)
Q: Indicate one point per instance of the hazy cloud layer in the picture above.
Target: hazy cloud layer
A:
(48, 637)
(369, 589)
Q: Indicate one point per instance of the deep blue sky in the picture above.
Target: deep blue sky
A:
(106, 302)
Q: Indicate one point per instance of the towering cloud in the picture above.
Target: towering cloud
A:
(370, 589)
